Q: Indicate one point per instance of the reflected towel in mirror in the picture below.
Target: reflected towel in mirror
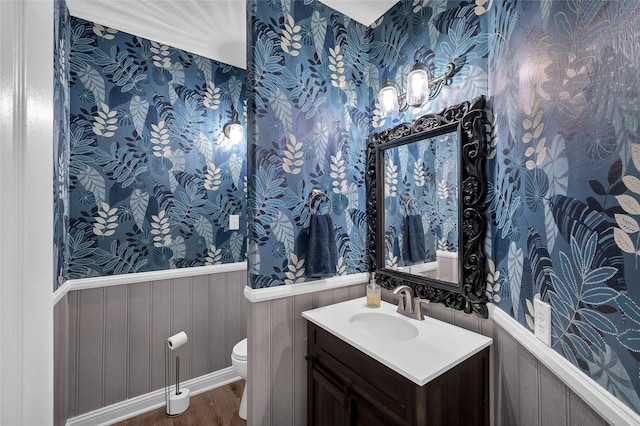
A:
(322, 255)
(413, 243)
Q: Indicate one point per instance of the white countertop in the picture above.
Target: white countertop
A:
(437, 347)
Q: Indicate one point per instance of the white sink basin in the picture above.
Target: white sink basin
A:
(418, 350)
(384, 326)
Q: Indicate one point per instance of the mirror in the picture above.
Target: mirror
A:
(426, 191)
(421, 207)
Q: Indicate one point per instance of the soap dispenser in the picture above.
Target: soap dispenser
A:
(373, 292)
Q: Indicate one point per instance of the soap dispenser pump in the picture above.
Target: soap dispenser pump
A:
(373, 292)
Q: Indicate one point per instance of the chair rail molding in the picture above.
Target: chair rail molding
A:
(255, 295)
(594, 395)
(143, 277)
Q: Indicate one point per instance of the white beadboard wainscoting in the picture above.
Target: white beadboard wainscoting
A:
(110, 335)
(109, 350)
(526, 388)
(277, 345)
(565, 395)
(530, 383)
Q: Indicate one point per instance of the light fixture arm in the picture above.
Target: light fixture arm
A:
(435, 84)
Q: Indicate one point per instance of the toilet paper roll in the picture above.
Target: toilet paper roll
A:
(177, 340)
(178, 404)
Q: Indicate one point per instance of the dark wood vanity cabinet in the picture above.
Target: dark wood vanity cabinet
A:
(347, 387)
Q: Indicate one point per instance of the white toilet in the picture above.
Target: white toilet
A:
(239, 364)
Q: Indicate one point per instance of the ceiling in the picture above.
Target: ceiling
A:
(215, 29)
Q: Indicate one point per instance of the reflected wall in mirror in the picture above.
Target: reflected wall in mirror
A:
(421, 207)
(426, 206)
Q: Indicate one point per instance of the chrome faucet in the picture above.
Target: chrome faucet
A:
(406, 295)
(408, 305)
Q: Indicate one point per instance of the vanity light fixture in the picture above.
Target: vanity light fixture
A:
(233, 129)
(420, 89)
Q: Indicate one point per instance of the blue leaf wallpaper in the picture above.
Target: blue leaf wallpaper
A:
(145, 182)
(308, 123)
(565, 179)
(60, 138)
(152, 178)
(564, 167)
(435, 33)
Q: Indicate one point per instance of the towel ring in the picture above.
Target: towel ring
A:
(407, 204)
(316, 193)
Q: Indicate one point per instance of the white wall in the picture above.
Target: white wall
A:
(26, 212)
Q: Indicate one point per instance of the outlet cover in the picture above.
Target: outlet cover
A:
(542, 321)
(234, 222)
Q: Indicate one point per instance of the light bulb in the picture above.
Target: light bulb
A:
(234, 132)
(417, 85)
(388, 98)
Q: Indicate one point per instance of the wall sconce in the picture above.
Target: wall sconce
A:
(233, 129)
(420, 89)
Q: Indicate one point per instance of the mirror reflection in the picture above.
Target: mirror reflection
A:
(421, 207)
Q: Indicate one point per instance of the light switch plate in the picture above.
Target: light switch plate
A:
(234, 222)
(542, 321)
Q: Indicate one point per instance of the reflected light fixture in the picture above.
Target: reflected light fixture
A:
(420, 89)
(233, 129)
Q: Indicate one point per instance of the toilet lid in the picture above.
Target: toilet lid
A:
(240, 350)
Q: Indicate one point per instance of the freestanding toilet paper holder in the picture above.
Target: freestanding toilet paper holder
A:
(177, 402)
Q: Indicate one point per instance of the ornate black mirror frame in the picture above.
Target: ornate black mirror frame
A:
(468, 119)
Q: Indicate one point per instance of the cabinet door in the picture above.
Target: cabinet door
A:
(326, 400)
(363, 412)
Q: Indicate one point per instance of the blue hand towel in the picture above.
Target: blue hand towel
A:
(322, 255)
(413, 242)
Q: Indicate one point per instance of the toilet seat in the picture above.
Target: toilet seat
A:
(239, 351)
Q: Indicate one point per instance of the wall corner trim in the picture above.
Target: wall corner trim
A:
(143, 277)
(255, 295)
(598, 398)
(60, 293)
(152, 400)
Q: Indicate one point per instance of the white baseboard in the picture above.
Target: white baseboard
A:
(150, 401)
(602, 401)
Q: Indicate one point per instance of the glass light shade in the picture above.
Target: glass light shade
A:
(388, 98)
(417, 85)
(233, 131)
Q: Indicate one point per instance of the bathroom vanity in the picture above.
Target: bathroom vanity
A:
(371, 366)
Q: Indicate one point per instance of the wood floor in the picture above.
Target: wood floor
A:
(218, 407)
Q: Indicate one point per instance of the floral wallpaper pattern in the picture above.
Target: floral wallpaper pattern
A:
(152, 178)
(563, 169)
(60, 137)
(308, 83)
(566, 168)
(435, 33)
